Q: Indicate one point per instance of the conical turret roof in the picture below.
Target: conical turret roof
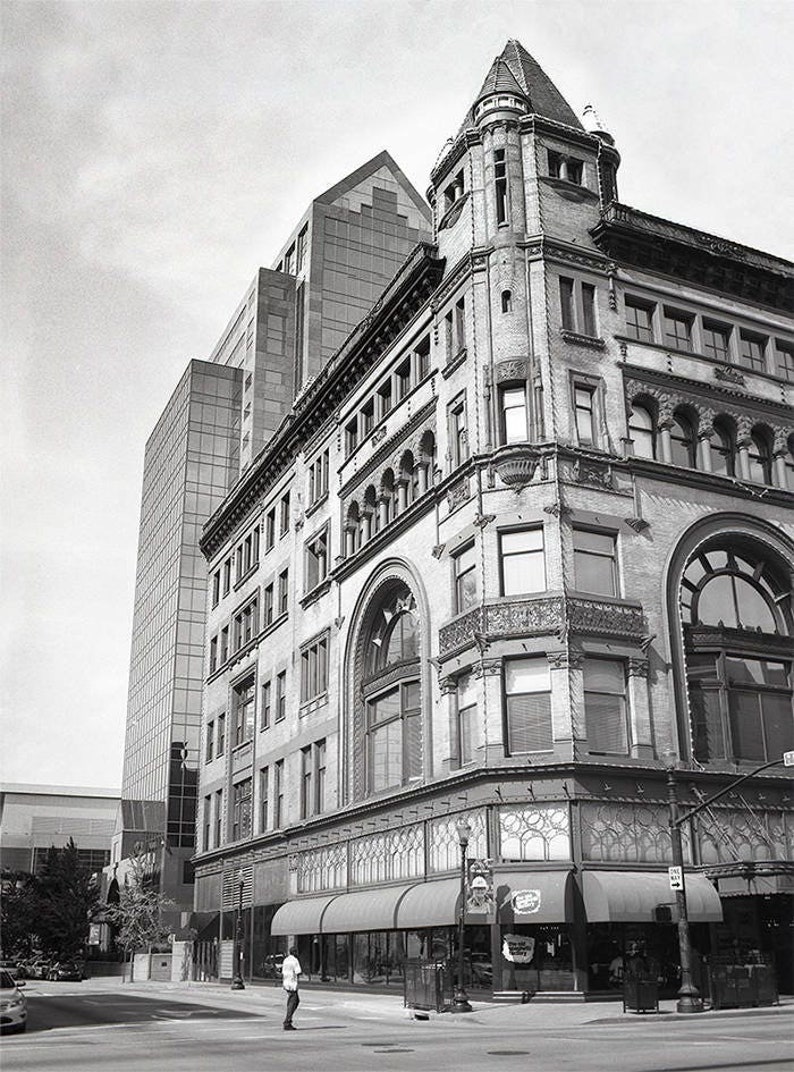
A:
(516, 71)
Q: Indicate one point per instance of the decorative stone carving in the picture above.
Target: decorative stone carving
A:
(516, 369)
(638, 668)
(438, 550)
(730, 375)
(516, 467)
(565, 660)
(639, 524)
(457, 494)
(586, 471)
(378, 434)
(481, 520)
(488, 668)
(611, 619)
(557, 509)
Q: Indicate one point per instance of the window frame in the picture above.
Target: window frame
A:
(509, 736)
(591, 553)
(506, 556)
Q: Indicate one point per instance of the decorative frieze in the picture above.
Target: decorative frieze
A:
(534, 832)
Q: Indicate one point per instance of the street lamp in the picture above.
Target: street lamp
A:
(460, 1000)
(237, 981)
(688, 994)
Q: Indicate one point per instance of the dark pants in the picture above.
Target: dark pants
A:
(293, 1001)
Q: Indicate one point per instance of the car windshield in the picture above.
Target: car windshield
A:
(6, 981)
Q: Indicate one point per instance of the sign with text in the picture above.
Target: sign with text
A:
(676, 878)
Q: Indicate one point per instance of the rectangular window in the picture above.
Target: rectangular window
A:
(575, 170)
(466, 718)
(466, 586)
(243, 705)
(209, 742)
(583, 404)
(213, 654)
(460, 325)
(283, 592)
(317, 560)
(264, 798)
(458, 436)
(514, 414)
(278, 793)
(567, 304)
(314, 670)
(284, 515)
(522, 562)
(289, 261)
(528, 705)
(227, 576)
(319, 777)
(752, 351)
(595, 562)
(267, 699)
(301, 247)
(367, 417)
(555, 165)
(270, 529)
(784, 360)
(206, 842)
(639, 320)
(384, 399)
(351, 436)
(281, 696)
(216, 587)
(318, 477)
(605, 706)
(246, 624)
(677, 330)
(589, 310)
(716, 340)
(500, 184)
(402, 379)
(241, 809)
(306, 782)
(267, 606)
(223, 650)
(221, 746)
(300, 320)
(218, 818)
(422, 358)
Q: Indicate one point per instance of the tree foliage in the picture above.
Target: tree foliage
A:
(51, 911)
(138, 917)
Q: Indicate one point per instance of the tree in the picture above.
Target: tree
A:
(138, 916)
(65, 897)
(18, 915)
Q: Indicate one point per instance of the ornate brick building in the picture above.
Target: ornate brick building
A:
(522, 542)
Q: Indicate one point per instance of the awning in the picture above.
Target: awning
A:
(364, 910)
(633, 896)
(533, 896)
(430, 904)
(300, 917)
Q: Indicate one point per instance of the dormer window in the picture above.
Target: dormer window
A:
(566, 167)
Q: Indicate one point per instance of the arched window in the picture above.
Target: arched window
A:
(390, 751)
(760, 457)
(736, 611)
(723, 449)
(641, 432)
(682, 442)
(507, 301)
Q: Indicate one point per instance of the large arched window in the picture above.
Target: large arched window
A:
(389, 752)
(723, 449)
(760, 457)
(736, 610)
(641, 432)
(682, 442)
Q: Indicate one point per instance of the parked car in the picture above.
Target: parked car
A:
(13, 1006)
(66, 971)
(36, 968)
(10, 966)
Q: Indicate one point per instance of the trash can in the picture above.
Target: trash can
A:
(427, 985)
(640, 993)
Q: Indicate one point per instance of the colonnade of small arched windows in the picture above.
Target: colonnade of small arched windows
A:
(720, 444)
(385, 499)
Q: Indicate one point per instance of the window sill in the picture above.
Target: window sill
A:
(722, 369)
(248, 573)
(314, 704)
(450, 217)
(590, 341)
(571, 191)
(315, 593)
(312, 507)
(454, 363)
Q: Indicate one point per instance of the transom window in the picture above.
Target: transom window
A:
(736, 609)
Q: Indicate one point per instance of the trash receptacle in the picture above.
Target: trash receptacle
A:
(640, 993)
(427, 986)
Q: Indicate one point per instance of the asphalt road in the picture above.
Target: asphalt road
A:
(73, 1030)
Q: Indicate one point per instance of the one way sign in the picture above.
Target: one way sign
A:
(676, 878)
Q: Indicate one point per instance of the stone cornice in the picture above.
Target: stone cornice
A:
(404, 296)
(763, 407)
(680, 252)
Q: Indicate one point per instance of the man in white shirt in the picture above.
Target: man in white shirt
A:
(290, 970)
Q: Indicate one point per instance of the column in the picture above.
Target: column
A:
(639, 709)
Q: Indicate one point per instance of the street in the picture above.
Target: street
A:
(107, 1025)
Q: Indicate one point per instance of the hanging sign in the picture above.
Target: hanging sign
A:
(518, 948)
(526, 902)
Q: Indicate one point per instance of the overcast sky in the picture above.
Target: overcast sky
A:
(156, 153)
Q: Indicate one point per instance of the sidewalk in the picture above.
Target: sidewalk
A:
(262, 998)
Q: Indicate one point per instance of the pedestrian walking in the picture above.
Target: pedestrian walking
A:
(290, 970)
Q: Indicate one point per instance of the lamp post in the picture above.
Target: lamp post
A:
(689, 999)
(237, 981)
(461, 1000)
